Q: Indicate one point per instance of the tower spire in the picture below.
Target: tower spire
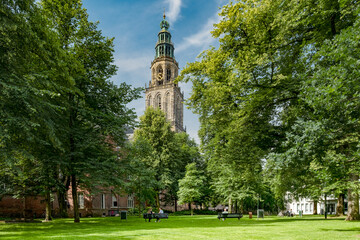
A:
(163, 92)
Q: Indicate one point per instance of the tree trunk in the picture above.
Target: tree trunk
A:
(230, 205)
(325, 203)
(236, 206)
(334, 18)
(157, 200)
(24, 208)
(340, 205)
(139, 203)
(62, 196)
(353, 201)
(175, 204)
(75, 198)
(72, 117)
(47, 205)
(191, 210)
(62, 204)
(139, 207)
(315, 208)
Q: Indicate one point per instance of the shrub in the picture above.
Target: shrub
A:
(196, 212)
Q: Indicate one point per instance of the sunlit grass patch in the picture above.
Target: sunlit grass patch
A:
(186, 227)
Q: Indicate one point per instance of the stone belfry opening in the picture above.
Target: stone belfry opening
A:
(162, 92)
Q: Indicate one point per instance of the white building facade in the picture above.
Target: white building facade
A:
(306, 205)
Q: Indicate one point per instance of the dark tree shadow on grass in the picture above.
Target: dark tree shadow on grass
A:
(340, 230)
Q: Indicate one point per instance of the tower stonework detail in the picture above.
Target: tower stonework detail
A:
(162, 92)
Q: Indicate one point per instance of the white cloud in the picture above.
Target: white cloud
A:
(203, 38)
(174, 9)
(133, 64)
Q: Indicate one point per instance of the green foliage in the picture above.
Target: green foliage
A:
(326, 142)
(264, 80)
(194, 211)
(190, 187)
(33, 82)
(61, 117)
(168, 153)
(155, 129)
(141, 178)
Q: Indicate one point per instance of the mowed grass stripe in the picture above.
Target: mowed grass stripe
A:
(186, 227)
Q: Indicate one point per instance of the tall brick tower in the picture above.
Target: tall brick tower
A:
(162, 92)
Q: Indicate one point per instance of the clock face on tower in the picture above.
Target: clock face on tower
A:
(163, 93)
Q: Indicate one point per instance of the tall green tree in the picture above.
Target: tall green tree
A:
(96, 112)
(247, 92)
(185, 151)
(155, 129)
(171, 152)
(33, 81)
(191, 187)
(330, 136)
(141, 178)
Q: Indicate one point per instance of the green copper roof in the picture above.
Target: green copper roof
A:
(164, 25)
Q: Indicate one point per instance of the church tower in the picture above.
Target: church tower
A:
(162, 92)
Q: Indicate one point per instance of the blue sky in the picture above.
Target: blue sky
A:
(135, 25)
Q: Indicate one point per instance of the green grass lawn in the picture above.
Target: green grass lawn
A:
(185, 227)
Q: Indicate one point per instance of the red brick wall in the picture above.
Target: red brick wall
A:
(12, 207)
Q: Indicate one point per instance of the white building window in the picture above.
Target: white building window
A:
(130, 202)
(81, 200)
(103, 206)
(306, 207)
(297, 207)
(302, 207)
(311, 207)
(114, 201)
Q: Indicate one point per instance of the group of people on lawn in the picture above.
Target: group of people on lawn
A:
(151, 212)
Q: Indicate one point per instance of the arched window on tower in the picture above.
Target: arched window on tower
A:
(178, 110)
(167, 105)
(168, 74)
(148, 101)
(158, 101)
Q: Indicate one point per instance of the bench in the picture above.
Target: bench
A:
(229, 215)
(157, 216)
